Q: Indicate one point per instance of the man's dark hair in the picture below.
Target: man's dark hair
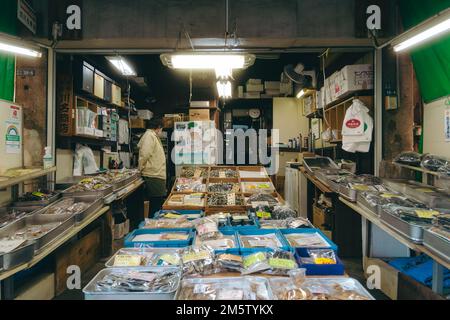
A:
(155, 123)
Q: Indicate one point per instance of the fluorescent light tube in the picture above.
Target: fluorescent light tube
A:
(223, 63)
(19, 50)
(224, 89)
(301, 93)
(122, 65)
(426, 31)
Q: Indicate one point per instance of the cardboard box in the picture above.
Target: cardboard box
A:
(137, 123)
(145, 114)
(199, 115)
(334, 86)
(252, 95)
(255, 88)
(272, 85)
(354, 78)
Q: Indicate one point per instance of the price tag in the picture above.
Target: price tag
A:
(172, 216)
(125, 260)
(170, 259)
(426, 214)
(282, 263)
(231, 199)
(196, 256)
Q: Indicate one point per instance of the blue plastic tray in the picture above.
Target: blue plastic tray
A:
(182, 212)
(320, 269)
(304, 251)
(129, 243)
(228, 232)
(248, 232)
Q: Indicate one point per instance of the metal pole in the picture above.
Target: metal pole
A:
(438, 278)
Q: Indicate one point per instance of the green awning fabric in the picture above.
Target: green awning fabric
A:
(431, 61)
(8, 24)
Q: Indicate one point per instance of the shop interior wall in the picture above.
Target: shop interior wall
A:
(434, 128)
(64, 163)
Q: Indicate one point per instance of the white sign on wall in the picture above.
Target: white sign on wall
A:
(26, 15)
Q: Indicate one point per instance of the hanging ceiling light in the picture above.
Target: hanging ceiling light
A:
(224, 89)
(203, 61)
(424, 32)
(122, 65)
(16, 46)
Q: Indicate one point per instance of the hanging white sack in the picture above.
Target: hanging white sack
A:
(357, 128)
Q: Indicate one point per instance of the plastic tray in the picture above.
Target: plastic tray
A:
(201, 213)
(91, 294)
(319, 269)
(129, 243)
(110, 262)
(255, 232)
(98, 194)
(227, 232)
(317, 163)
(304, 250)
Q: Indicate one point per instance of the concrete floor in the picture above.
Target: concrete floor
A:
(353, 268)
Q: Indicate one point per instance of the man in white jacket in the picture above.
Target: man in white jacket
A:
(152, 164)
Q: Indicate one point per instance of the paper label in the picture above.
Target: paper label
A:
(7, 246)
(425, 190)
(230, 294)
(282, 263)
(172, 216)
(231, 199)
(170, 259)
(230, 257)
(263, 214)
(253, 259)
(426, 214)
(222, 175)
(142, 276)
(202, 255)
(126, 260)
(240, 218)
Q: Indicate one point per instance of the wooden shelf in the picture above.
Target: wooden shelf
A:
(377, 221)
(40, 172)
(420, 169)
(67, 142)
(350, 96)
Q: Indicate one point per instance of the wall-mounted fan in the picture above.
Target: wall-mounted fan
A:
(298, 75)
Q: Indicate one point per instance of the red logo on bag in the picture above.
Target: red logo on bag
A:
(353, 123)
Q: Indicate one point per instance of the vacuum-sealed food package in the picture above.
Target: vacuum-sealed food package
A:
(226, 262)
(182, 222)
(320, 256)
(146, 257)
(306, 240)
(207, 229)
(283, 212)
(285, 289)
(222, 243)
(269, 240)
(255, 262)
(281, 262)
(198, 261)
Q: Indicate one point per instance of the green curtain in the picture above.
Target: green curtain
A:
(431, 61)
(8, 24)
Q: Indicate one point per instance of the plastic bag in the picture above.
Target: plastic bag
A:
(434, 163)
(269, 240)
(254, 263)
(283, 212)
(298, 276)
(281, 262)
(228, 263)
(198, 261)
(207, 229)
(84, 161)
(285, 289)
(320, 256)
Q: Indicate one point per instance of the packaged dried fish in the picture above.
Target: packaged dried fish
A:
(181, 223)
(298, 276)
(252, 187)
(283, 212)
(269, 240)
(417, 216)
(224, 187)
(242, 288)
(198, 261)
(221, 218)
(320, 256)
(207, 229)
(146, 257)
(281, 262)
(228, 263)
(138, 281)
(383, 198)
(434, 163)
(194, 172)
(306, 240)
(263, 197)
(223, 173)
(32, 232)
(256, 262)
(190, 185)
(223, 243)
(285, 289)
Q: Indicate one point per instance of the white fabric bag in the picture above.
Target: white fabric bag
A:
(357, 128)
